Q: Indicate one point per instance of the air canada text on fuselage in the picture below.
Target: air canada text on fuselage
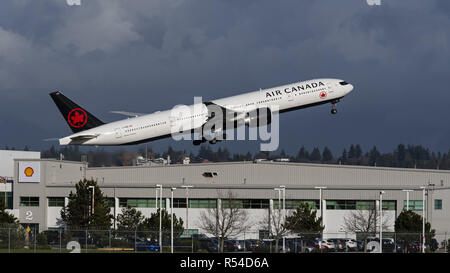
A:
(290, 89)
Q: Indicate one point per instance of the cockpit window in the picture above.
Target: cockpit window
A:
(343, 83)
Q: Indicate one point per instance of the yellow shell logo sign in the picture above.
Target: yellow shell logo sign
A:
(29, 171)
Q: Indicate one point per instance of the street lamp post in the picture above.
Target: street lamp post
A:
(320, 203)
(283, 188)
(171, 219)
(381, 221)
(187, 206)
(279, 207)
(423, 219)
(92, 198)
(407, 198)
(160, 214)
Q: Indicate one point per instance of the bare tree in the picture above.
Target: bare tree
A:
(226, 220)
(364, 222)
(274, 222)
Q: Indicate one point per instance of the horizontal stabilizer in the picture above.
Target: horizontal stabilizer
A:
(51, 139)
(130, 114)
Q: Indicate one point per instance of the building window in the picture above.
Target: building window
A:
(365, 205)
(389, 205)
(140, 202)
(56, 201)
(27, 201)
(437, 204)
(246, 203)
(358, 204)
(294, 204)
(9, 199)
(263, 234)
(111, 202)
(188, 233)
(413, 205)
(179, 202)
(202, 203)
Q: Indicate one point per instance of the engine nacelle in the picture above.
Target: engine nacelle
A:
(258, 117)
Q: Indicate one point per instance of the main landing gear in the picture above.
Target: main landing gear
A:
(333, 107)
(212, 141)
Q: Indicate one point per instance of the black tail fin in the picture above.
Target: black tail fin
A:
(77, 118)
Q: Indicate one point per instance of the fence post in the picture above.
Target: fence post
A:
(34, 240)
(445, 243)
(244, 241)
(135, 234)
(395, 242)
(86, 242)
(192, 244)
(60, 238)
(9, 240)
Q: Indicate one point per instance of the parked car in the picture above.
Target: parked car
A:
(147, 246)
(414, 247)
(388, 244)
(360, 245)
(209, 244)
(233, 245)
(325, 245)
(351, 245)
(309, 246)
(251, 244)
(338, 243)
(434, 245)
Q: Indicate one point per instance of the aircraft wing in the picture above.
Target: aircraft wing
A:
(228, 113)
(130, 114)
(261, 116)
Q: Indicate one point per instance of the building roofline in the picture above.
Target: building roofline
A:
(49, 160)
(244, 163)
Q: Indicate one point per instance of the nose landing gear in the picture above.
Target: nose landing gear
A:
(333, 107)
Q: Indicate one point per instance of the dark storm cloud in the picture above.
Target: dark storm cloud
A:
(145, 56)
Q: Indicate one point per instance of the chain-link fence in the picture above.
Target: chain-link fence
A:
(18, 239)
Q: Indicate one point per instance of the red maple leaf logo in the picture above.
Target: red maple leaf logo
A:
(77, 118)
(323, 95)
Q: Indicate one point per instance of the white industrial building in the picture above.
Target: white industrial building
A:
(39, 195)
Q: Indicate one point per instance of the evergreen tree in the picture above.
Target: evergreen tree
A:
(358, 152)
(11, 233)
(305, 221)
(130, 219)
(315, 155)
(6, 217)
(78, 212)
(408, 227)
(303, 155)
(327, 156)
(344, 157)
(150, 226)
(373, 155)
(352, 152)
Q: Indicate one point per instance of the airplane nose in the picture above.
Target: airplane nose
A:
(350, 87)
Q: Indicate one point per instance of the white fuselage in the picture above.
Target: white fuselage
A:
(160, 124)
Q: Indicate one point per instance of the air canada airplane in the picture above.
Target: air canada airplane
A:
(246, 109)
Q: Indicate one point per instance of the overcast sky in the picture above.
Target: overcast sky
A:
(148, 55)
